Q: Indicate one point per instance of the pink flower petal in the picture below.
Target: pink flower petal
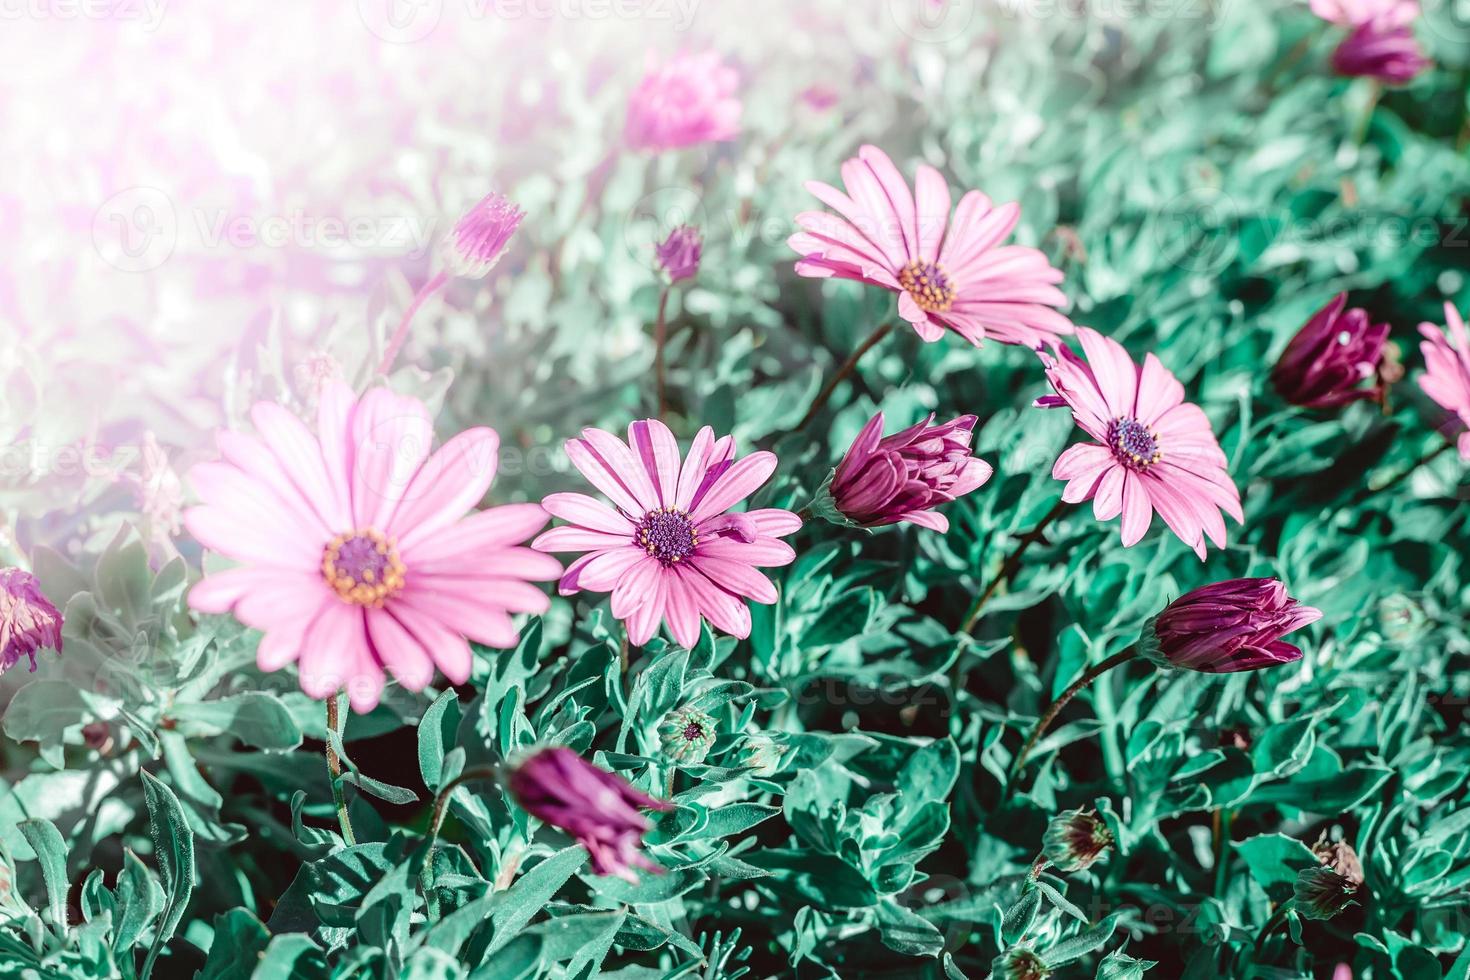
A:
(447, 486)
(742, 479)
(399, 651)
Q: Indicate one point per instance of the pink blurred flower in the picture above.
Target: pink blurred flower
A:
(28, 620)
(479, 239)
(356, 555)
(946, 273)
(688, 100)
(1154, 451)
(1446, 377)
(668, 549)
(904, 476)
(594, 806)
(1385, 14)
(1227, 627)
(1330, 356)
(1392, 56)
(679, 254)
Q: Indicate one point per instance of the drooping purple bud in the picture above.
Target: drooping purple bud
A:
(597, 808)
(904, 476)
(1333, 353)
(478, 239)
(1076, 840)
(1322, 893)
(1390, 54)
(28, 620)
(679, 254)
(1226, 627)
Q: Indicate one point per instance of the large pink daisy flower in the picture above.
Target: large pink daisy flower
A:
(946, 273)
(1446, 376)
(355, 551)
(1154, 450)
(668, 549)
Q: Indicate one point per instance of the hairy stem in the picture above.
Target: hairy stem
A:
(660, 337)
(1042, 723)
(1011, 563)
(847, 368)
(395, 343)
(334, 768)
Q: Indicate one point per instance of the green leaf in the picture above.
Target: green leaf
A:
(437, 731)
(256, 718)
(1275, 859)
(173, 843)
(50, 850)
(44, 712)
(139, 899)
(240, 940)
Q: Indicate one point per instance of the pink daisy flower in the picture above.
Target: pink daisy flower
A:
(668, 549)
(947, 273)
(1154, 451)
(688, 100)
(1446, 376)
(355, 552)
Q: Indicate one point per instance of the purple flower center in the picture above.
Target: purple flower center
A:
(1133, 443)
(928, 285)
(667, 534)
(692, 732)
(363, 567)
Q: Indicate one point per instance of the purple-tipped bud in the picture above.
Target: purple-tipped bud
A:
(1227, 627)
(1390, 54)
(597, 808)
(1322, 893)
(478, 240)
(904, 476)
(1330, 357)
(28, 620)
(1076, 840)
(679, 254)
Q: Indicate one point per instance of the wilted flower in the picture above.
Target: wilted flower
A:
(678, 255)
(1227, 627)
(1340, 857)
(1076, 840)
(687, 735)
(689, 100)
(356, 554)
(1019, 963)
(1154, 451)
(1322, 893)
(1393, 56)
(28, 620)
(1446, 377)
(594, 806)
(947, 273)
(761, 755)
(902, 477)
(1330, 356)
(478, 239)
(671, 550)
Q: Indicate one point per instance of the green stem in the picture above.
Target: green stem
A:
(1042, 723)
(1276, 918)
(847, 368)
(1404, 474)
(1011, 563)
(436, 823)
(1222, 839)
(660, 335)
(334, 768)
(395, 343)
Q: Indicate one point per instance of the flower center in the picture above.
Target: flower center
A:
(928, 285)
(693, 732)
(667, 534)
(363, 567)
(1133, 443)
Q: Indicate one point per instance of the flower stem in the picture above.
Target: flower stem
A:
(334, 769)
(1009, 566)
(395, 343)
(1405, 473)
(436, 823)
(660, 336)
(1271, 923)
(847, 368)
(1042, 723)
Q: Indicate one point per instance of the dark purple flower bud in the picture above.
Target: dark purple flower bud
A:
(1227, 627)
(1019, 963)
(478, 239)
(902, 477)
(1322, 893)
(1330, 356)
(1076, 840)
(1340, 857)
(1390, 54)
(679, 254)
(597, 808)
(28, 620)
